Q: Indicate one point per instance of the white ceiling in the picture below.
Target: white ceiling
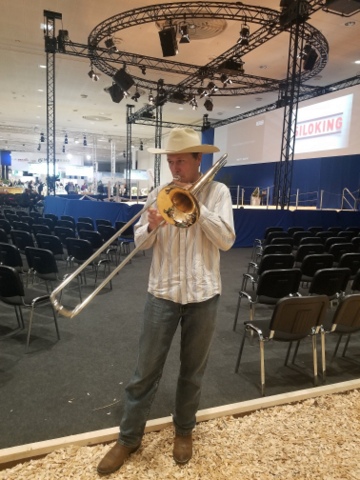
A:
(78, 99)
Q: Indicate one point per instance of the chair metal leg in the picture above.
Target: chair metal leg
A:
(288, 354)
(323, 354)
(346, 345)
(337, 346)
(240, 351)
(56, 323)
(29, 328)
(262, 367)
(313, 338)
(237, 312)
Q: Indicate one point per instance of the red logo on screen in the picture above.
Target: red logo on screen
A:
(319, 127)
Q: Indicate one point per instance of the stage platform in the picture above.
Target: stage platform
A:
(250, 221)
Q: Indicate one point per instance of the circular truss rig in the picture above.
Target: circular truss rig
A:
(270, 25)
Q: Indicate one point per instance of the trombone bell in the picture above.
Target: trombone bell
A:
(178, 206)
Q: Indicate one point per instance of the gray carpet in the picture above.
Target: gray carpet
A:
(76, 384)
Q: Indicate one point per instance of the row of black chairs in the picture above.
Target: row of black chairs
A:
(296, 318)
(277, 235)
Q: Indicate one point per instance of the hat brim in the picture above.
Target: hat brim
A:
(195, 149)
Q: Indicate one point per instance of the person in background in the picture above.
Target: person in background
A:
(183, 291)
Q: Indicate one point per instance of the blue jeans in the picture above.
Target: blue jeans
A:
(161, 318)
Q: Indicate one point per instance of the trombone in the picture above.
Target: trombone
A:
(177, 206)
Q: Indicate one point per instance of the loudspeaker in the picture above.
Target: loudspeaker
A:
(168, 41)
(116, 93)
(310, 60)
(344, 8)
(123, 79)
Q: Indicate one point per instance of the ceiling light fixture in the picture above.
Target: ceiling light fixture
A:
(244, 35)
(66, 140)
(151, 98)
(143, 69)
(84, 141)
(110, 45)
(42, 137)
(136, 95)
(211, 88)
(184, 34)
(225, 80)
(193, 103)
(93, 75)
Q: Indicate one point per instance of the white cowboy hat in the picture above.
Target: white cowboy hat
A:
(184, 140)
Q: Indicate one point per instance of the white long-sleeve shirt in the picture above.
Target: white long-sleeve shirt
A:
(185, 265)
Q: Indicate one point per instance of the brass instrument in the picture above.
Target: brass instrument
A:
(177, 206)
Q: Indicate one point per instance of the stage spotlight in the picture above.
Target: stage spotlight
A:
(123, 79)
(66, 140)
(84, 141)
(136, 95)
(141, 147)
(42, 138)
(201, 91)
(211, 88)
(93, 75)
(209, 104)
(244, 35)
(143, 69)
(151, 98)
(168, 41)
(110, 45)
(225, 80)
(39, 147)
(116, 93)
(206, 124)
(63, 149)
(184, 34)
(193, 103)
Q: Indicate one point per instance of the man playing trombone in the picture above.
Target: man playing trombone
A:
(183, 289)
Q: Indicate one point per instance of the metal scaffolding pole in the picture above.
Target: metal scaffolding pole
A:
(128, 166)
(289, 98)
(50, 49)
(157, 160)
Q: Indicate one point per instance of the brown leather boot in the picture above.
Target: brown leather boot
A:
(182, 448)
(115, 458)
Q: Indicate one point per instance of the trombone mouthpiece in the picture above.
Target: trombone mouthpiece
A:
(177, 178)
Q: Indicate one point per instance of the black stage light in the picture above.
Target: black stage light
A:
(66, 140)
(85, 141)
(93, 75)
(63, 149)
(42, 138)
(208, 104)
(123, 79)
(39, 147)
(225, 80)
(143, 69)
(136, 95)
(168, 41)
(110, 45)
(184, 34)
(116, 93)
